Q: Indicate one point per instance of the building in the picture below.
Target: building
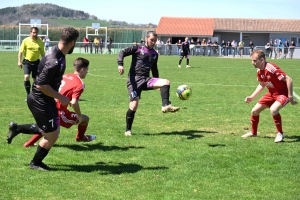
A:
(259, 31)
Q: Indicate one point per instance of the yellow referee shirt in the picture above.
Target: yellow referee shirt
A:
(32, 49)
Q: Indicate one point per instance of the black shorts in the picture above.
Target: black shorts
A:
(31, 67)
(136, 84)
(44, 113)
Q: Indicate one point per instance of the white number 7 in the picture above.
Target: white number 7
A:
(51, 121)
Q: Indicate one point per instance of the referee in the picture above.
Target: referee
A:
(33, 48)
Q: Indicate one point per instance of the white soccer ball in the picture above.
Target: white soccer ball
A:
(184, 92)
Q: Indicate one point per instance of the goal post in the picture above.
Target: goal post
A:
(96, 30)
(22, 34)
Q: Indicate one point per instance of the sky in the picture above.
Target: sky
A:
(144, 12)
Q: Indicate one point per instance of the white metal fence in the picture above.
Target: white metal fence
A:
(168, 50)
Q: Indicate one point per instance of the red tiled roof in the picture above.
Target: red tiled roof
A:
(185, 26)
(206, 26)
(259, 25)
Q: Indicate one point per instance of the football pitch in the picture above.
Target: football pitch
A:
(195, 153)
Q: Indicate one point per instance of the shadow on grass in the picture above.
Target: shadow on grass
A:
(106, 168)
(216, 145)
(97, 146)
(293, 138)
(191, 134)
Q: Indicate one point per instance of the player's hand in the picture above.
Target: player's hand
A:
(121, 70)
(20, 65)
(293, 101)
(64, 100)
(248, 99)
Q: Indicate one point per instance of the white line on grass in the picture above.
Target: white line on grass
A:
(296, 95)
(190, 83)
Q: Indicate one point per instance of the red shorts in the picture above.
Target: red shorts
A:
(269, 99)
(67, 118)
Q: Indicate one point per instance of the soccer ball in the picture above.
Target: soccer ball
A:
(184, 92)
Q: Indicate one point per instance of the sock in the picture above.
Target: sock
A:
(81, 132)
(277, 121)
(187, 61)
(27, 86)
(165, 94)
(40, 154)
(33, 140)
(254, 121)
(28, 129)
(129, 119)
(179, 61)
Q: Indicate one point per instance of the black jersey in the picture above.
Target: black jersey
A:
(185, 47)
(143, 60)
(50, 72)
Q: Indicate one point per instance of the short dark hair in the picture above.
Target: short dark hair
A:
(80, 63)
(68, 35)
(151, 33)
(35, 28)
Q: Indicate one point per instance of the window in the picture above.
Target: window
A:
(294, 39)
(246, 37)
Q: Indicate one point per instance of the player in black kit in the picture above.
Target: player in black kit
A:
(144, 60)
(185, 52)
(41, 101)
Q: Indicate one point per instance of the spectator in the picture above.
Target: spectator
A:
(198, 47)
(251, 47)
(204, 45)
(233, 47)
(241, 48)
(109, 43)
(192, 47)
(101, 45)
(46, 41)
(169, 46)
(96, 44)
(285, 49)
(292, 48)
(271, 48)
(179, 43)
(223, 44)
(268, 49)
(91, 45)
(228, 46)
(86, 44)
(159, 45)
(215, 48)
(209, 44)
(280, 48)
(275, 49)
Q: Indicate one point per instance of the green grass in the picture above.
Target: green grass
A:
(196, 153)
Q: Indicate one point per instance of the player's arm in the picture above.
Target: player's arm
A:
(258, 90)
(75, 105)
(125, 52)
(20, 59)
(154, 69)
(48, 90)
(289, 84)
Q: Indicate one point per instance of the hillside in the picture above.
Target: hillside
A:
(55, 15)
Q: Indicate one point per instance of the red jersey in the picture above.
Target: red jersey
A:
(271, 77)
(72, 87)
